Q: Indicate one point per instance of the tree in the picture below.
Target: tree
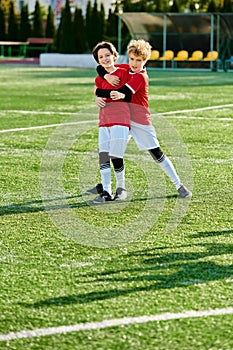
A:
(102, 22)
(212, 6)
(66, 30)
(227, 6)
(2, 25)
(25, 27)
(50, 25)
(57, 41)
(175, 7)
(89, 24)
(5, 4)
(112, 27)
(127, 5)
(142, 6)
(37, 30)
(192, 7)
(158, 6)
(80, 42)
(97, 31)
(12, 24)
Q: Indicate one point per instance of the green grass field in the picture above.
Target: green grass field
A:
(152, 273)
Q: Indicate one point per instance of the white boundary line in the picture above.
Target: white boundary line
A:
(47, 126)
(113, 323)
(198, 109)
(95, 121)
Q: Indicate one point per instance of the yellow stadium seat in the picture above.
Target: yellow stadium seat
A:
(182, 55)
(211, 56)
(167, 56)
(196, 56)
(154, 55)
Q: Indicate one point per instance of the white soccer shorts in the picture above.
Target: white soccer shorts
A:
(144, 136)
(113, 140)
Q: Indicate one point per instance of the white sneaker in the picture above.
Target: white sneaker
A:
(120, 195)
(184, 192)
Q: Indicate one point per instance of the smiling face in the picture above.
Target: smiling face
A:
(106, 59)
(136, 63)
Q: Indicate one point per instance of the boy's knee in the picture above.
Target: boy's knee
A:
(117, 163)
(104, 158)
(157, 154)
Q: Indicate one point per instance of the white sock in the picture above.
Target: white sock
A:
(106, 179)
(120, 178)
(170, 171)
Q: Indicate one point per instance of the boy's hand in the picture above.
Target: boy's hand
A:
(116, 95)
(100, 102)
(112, 79)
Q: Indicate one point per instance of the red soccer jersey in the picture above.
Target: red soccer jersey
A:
(138, 84)
(115, 112)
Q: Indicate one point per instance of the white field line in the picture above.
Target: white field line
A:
(20, 111)
(112, 323)
(73, 113)
(198, 109)
(48, 126)
(196, 118)
(94, 121)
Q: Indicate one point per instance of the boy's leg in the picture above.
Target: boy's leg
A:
(105, 171)
(118, 144)
(104, 164)
(145, 138)
(166, 165)
(119, 169)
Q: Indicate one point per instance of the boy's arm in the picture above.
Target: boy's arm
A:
(98, 91)
(123, 90)
(106, 93)
(102, 92)
(110, 78)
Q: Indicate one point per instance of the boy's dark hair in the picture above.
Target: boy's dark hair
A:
(104, 45)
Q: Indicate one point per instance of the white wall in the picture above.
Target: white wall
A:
(66, 60)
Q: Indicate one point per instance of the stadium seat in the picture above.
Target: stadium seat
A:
(167, 56)
(196, 56)
(154, 55)
(182, 55)
(211, 56)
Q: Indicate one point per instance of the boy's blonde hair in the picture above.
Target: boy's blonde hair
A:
(105, 45)
(140, 48)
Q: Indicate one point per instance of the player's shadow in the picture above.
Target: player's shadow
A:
(158, 270)
(53, 204)
(39, 205)
(212, 233)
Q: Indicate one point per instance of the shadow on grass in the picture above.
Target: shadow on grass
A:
(39, 205)
(212, 233)
(158, 271)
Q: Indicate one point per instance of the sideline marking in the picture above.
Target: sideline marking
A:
(48, 126)
(112, 323)
(74, 113)
(198, 109)
(95, 121)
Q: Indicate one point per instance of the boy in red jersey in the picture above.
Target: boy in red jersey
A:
(142, 129)
(114, 123)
